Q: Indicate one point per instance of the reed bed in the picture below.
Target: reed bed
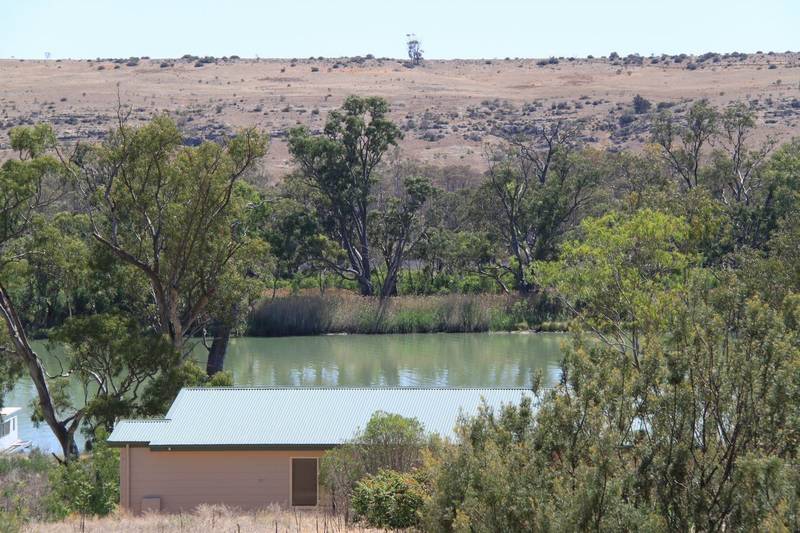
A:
(345, 312)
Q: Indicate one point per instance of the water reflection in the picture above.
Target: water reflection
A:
(396, 360)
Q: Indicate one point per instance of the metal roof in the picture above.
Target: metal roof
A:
(8, 411)
(135, 431)
(253, 417)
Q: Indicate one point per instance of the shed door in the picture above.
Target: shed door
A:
(304, 482)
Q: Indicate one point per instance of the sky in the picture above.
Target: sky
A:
(332, 28)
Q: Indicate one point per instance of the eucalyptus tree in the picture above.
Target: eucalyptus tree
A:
(684, 143)
(29, 184)
(172, 212)
(537, 186)
(398, 225)
(339, 170)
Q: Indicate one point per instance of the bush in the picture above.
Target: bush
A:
(89, 486)
(24, 487)
(35, 488)
(641, 105)
(626, 120)
(388, 499)
(389, 442)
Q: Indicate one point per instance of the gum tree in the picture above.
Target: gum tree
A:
(29, 184)
(339, 170)
(172, 212)
(536, 187)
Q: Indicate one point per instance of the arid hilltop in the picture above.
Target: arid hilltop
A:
(447, 109)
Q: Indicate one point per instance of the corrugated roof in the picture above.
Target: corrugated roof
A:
(136, 431)
(247, 417)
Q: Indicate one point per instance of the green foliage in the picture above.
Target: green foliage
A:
(114, 360)
(389, 442)
(160, 391)
(619, 274)
(683, 142)
(89, 486)
(170, 207)
(24, 489)
(338, 175)
(388, 499)
(340, 313)
(36, 488)
(670, 416)
(532, 197)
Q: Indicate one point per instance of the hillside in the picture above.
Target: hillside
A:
(448, 109)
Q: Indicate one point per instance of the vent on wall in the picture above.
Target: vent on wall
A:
(151, 504)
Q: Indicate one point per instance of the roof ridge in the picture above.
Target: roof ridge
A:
(306, 388)
(144, 420)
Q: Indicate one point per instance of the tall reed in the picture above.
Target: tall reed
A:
(310, 313)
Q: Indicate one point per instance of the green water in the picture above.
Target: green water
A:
(425, 360)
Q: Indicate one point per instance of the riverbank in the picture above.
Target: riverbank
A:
(311, 313)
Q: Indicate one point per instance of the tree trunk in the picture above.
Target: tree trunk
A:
(218, 350)
(365, 286)
(389, 288)
(64, 434)
(524, 287)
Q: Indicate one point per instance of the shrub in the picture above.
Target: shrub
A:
(24, 487)
(550, 61)
(389, 441)
(388, 499)
(626, 120)
(640, 104)
(89, 486)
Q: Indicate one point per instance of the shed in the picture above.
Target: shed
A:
(251, 447)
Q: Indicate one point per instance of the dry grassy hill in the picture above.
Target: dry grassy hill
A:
(448, 109)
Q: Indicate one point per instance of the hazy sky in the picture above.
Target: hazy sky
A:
(462, 29)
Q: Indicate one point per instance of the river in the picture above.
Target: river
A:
(423, 360)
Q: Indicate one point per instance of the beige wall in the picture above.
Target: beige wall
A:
(185, 479)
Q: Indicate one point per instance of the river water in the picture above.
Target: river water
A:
(423, 360)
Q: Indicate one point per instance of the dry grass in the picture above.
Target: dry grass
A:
(205, 519)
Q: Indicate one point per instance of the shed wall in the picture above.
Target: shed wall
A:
(185, 479)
